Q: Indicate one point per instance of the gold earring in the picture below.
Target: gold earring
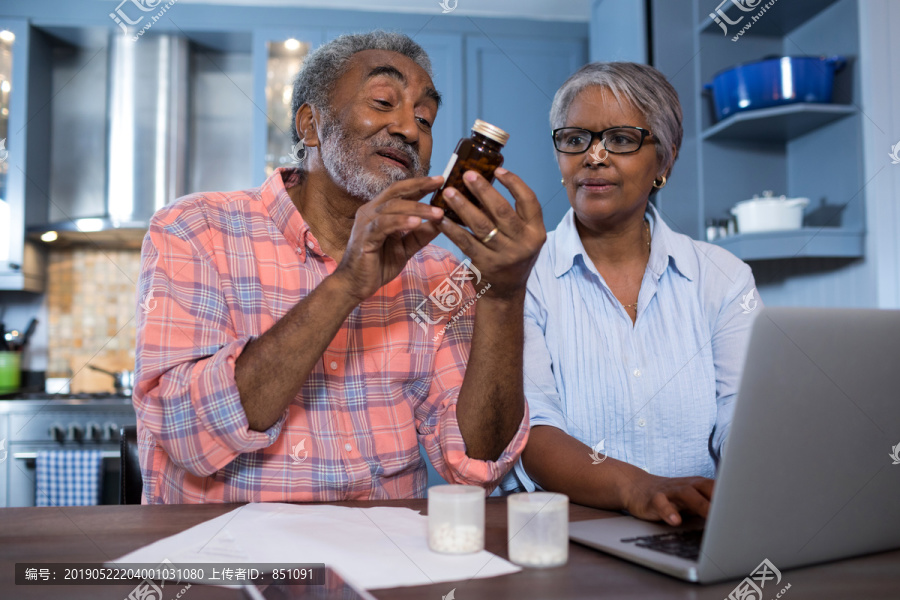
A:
(660, 185)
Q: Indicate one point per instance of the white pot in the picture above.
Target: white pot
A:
(769, 214)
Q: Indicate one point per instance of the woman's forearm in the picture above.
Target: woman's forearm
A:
(560, 463)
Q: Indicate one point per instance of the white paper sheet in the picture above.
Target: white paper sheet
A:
(378, 547)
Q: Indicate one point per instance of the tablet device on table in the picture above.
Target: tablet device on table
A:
(334, 588)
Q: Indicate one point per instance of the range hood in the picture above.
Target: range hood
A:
(145, 145)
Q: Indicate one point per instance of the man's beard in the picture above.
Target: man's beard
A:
(343, 154)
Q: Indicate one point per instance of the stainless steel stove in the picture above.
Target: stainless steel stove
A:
(32, 422)
(53, 397)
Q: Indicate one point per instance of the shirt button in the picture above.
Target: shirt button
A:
(348, 447)
(333, 365)
(637, 372)
(641, 422)
(299, 250)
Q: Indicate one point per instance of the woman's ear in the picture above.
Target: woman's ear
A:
(306, 126)
(668, 170)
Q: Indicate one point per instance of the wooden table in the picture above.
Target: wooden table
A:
(100, 533)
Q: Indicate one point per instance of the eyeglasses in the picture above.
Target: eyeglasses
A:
(623, 139)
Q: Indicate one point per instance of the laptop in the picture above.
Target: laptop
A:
(811, 470)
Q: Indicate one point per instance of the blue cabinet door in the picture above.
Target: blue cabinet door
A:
(446, 53)
(18, 149)
(510, 83)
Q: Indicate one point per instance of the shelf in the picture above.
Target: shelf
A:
(782, 18)
(807, 242)
(777, 123)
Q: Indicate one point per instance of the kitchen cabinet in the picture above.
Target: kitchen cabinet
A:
(800, 150)
(507, 78)
(21, 263)
(628, 39)
(511, 83)
(506, 69)
(272, 85)
(446, 53)
(221, 124)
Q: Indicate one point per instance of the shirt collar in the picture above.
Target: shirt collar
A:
(666, 248)
(283, 212)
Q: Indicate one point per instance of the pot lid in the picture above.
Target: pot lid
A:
(768, 198)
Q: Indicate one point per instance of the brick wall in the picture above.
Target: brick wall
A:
(91, 305)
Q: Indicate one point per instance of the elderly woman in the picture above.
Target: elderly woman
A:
(635, 335)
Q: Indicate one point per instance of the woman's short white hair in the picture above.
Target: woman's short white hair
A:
(642, 86)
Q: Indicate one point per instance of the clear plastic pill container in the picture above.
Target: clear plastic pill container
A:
(538, 529)
(456, 519)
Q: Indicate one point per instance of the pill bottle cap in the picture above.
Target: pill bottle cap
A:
(488, 130)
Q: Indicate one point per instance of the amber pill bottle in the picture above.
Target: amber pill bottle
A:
(479, 153)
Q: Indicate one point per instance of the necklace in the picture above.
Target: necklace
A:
(647, 229)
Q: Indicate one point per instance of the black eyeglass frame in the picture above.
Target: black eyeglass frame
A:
(645, 133)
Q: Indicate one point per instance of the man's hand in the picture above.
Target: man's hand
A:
(654, 498)
(387, 232)
(505, 260)
(504, 247)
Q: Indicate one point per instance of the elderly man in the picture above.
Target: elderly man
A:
(298, 346)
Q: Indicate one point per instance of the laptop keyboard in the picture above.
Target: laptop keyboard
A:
(685, 544)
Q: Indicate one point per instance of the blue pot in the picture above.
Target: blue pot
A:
(773, 82)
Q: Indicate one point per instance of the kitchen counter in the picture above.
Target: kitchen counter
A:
(8, 405)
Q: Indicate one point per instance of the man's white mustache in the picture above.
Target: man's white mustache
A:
(406, 150)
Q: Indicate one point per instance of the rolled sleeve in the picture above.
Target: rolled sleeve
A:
(436, 419)
(186, 396)
(458, 467)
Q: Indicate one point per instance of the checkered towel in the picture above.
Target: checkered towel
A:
(68, 478)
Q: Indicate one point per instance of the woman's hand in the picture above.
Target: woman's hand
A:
(655, 498)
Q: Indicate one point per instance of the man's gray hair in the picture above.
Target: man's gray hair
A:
(642, 86)
(325, 65)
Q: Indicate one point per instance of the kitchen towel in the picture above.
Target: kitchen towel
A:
(68, 478)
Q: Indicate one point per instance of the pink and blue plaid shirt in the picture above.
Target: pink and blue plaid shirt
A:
(218, 270)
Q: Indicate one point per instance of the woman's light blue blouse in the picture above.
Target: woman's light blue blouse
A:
(659, 393)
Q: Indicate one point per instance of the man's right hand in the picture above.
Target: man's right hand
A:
(387, 232)
(655, 498)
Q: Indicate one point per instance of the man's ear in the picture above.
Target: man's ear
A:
(306, 126)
